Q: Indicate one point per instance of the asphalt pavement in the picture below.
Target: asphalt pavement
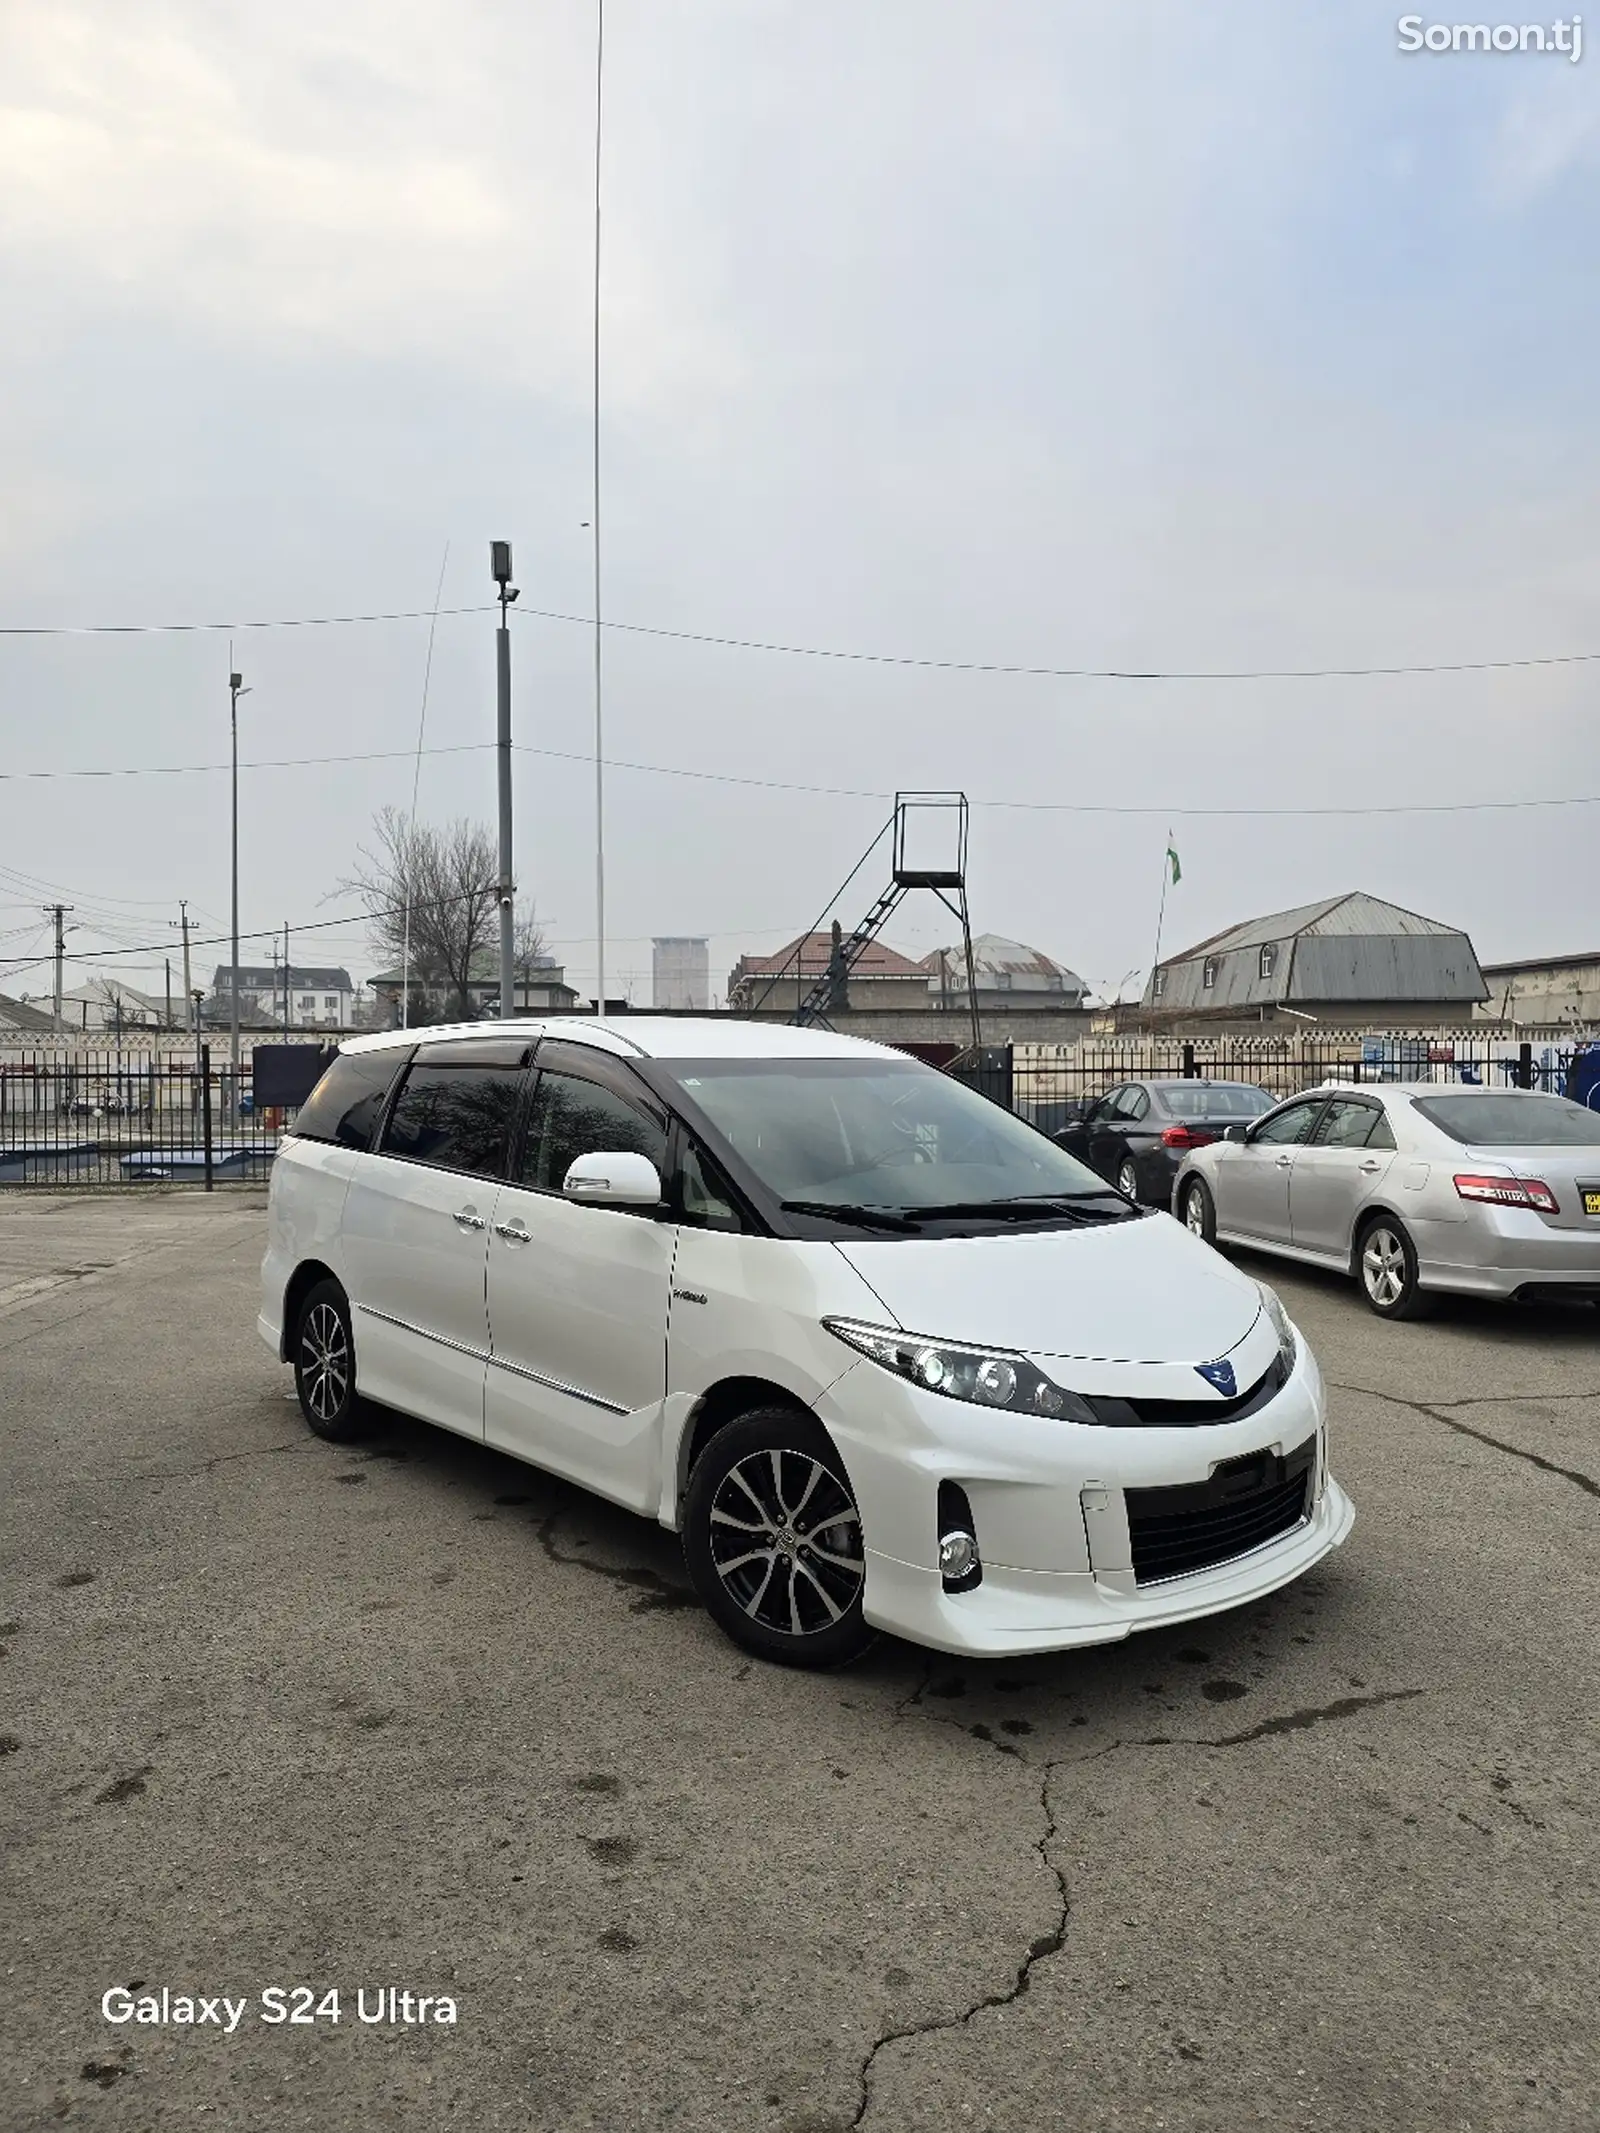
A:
(276, 1713)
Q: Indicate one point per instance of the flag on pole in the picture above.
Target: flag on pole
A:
(1172, 859)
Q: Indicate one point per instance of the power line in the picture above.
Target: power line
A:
(818, 651)
(837, 792)
(287, 762)
(990, 666)
(170, 629)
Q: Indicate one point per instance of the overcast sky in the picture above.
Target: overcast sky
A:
(1147, 336)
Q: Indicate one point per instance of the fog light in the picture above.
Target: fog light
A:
(958, 1556)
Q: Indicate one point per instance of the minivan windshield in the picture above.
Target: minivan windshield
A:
(875, 1134)
(1516, 1119)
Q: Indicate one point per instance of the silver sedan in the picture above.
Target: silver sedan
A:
(1412, 1188)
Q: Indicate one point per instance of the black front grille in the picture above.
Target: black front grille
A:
(1246, 1503)
(1190, 1414)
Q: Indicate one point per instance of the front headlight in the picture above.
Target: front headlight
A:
(1272, 1304)
(986, 1376)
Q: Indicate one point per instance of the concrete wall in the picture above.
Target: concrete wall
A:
(1556, 993)
(1372, 1017)
(1012, 1025)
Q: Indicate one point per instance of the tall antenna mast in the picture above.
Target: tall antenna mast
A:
(599, 726)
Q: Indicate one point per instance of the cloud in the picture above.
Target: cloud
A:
(348, 180)
(1540, 140)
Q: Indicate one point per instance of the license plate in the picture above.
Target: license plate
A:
(1591, 1203)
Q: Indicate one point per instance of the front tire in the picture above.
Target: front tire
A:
(773, 1541)
(324, 1353)
(1386, 1267)
(1197, 1211)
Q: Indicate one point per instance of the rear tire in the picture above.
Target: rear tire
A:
(773, 1541)
(1197, 1211)
(1386, 1267)
(1128, 1179)
(324, 1355)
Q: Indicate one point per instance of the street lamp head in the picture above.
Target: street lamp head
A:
(500, 563)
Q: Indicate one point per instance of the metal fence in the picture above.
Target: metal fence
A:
(123, 1118)
(1043, 1082)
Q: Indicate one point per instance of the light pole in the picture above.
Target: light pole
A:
(505, 889)
(236, 689)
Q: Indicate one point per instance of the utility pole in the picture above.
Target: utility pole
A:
(286, 977)
(236, 689)
(168, 961)
(58, 912)
(189, 992)
(506, 888)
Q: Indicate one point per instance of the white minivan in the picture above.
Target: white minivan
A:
(882, 1354)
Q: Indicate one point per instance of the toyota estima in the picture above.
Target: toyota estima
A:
(883, 1355)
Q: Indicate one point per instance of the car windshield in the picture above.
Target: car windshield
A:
(1219, 1099)
(873, 1133)
(1514, 1119)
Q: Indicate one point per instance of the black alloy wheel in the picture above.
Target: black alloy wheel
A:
(324, 1355)
(772, 1538)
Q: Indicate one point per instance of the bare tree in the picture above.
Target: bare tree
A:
(440, 883)
(530, 946)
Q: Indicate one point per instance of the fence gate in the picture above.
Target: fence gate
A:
(77, 1118)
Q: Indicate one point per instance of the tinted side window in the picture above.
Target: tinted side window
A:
(455, 1118)
(1291, 1126)
(346, 1103)
(572, 1116)
(1346, 1125)
(1135, 1103)
(1382, 1134)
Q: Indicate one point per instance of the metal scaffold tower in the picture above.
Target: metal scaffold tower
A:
(928, 832)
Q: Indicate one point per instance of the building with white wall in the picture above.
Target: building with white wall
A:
(680, 971)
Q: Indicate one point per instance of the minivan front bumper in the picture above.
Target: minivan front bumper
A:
(1050, 1504)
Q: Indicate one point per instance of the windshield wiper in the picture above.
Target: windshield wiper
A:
(1029, 1207)
(862, 1217)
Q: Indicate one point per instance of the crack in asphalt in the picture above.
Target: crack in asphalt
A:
(1579, 1479)
(1040, 1949)
(1289, 1722)
(206, 1466)
(1047, 1944)
(654, 1590)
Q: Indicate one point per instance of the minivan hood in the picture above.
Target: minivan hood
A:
(1131, 1292)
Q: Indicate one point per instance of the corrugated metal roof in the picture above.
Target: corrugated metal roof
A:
(258, 977)
(1353, 913)
(1542, 962)
(994, 956)
(1351, 947)
(876, 960)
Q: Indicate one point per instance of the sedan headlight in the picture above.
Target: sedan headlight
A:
(1272, 1304)
(986, 1376)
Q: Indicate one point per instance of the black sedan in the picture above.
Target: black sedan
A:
(1138, 1134)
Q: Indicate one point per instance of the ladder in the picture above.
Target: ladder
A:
(812, 1007)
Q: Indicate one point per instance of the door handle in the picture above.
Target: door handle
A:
(514, 1232)
(465, 1218)
(1369, 1165)
(1283, 1161)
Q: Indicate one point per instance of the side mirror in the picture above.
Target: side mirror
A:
(1236, 1133)
(613, 1179)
